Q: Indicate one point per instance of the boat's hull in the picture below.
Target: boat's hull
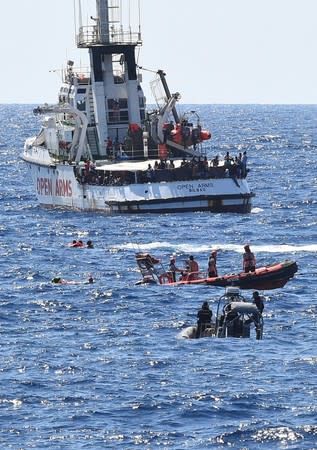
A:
(191, 332)
(56, 186)
(265, 278)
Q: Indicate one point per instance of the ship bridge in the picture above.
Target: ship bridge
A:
(114, 93)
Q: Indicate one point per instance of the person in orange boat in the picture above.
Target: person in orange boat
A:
(172, 268)
(193, 268)
(249, 260)
(170, 275)
(212, 265)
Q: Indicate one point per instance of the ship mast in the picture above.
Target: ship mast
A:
(103, 18)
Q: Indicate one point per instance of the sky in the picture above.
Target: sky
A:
(213, 51)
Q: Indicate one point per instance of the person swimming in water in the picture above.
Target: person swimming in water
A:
(59, 280)
(75, 243)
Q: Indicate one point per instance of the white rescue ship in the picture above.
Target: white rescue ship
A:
(100, 149)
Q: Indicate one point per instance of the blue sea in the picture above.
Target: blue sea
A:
(103, 366)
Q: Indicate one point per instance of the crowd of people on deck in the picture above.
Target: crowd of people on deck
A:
(166, 170)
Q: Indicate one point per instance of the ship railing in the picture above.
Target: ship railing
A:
(89, 36)
(79, 74)
(130, 153)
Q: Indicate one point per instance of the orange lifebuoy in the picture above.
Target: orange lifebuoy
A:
(134, 127)
(204, 135)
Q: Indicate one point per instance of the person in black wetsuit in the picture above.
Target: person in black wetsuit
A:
(204, 318)
(258, 301)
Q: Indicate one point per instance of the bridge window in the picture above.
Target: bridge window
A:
(81, 105)
(117, 110)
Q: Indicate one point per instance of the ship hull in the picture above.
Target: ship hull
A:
(56, 186)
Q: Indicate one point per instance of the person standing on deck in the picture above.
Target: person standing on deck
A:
(244, 161)
(258, 301)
